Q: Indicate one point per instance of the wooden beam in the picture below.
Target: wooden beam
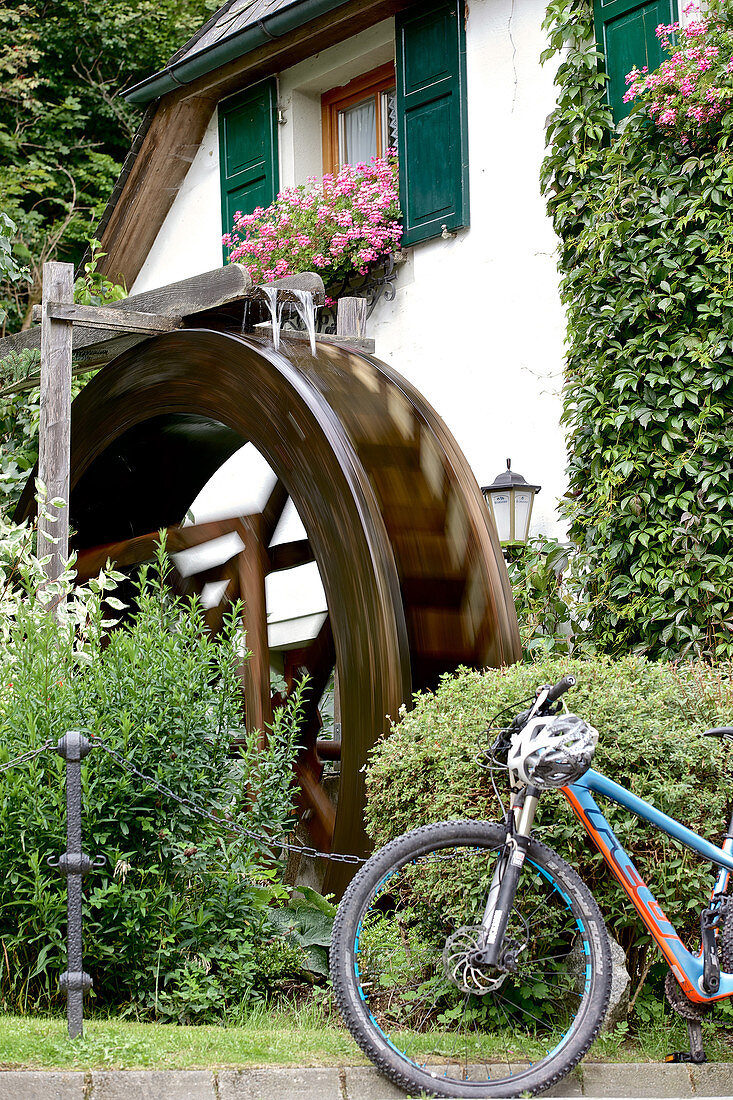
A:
(186, 298)
(54, 445)
(155, 177)
(128, 320)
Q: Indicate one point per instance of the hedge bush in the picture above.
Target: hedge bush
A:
(188, 920)
(648, 715)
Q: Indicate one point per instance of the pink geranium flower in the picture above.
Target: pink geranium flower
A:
(349, 222)
(693, 87)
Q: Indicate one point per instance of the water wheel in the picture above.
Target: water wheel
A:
(414, 579)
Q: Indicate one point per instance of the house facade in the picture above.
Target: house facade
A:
(271, 93)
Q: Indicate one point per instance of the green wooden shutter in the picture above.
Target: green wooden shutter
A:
(248, 151)
(625, 30)
(431, 116)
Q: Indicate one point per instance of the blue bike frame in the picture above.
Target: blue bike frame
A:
(687, 968)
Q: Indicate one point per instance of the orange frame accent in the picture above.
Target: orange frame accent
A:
(338, 99)
(651, 913)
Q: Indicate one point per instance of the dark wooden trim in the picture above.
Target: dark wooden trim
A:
(169, 146)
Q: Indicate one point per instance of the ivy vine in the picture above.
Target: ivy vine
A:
(646, 261)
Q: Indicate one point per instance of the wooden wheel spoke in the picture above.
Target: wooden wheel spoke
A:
(288, 554)
(317, 661)
(197, 534)
(142, 548)
(271, 513)
(250, 564)
(125, 553)
(313, 797)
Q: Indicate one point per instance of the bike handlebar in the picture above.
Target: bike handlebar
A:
(560, 688)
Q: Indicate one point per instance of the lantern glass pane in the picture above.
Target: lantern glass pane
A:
(522, 510)
(501, 507)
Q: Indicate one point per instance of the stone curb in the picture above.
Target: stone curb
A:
(593, 1079)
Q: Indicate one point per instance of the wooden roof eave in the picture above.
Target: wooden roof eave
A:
(175, 126)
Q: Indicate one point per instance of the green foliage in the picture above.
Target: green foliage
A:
(63, 128)
(92, 288)
(307, 925)
(544, 598)
(20, 416)
(175, 921)
(11, 271)
(647, 270)
(648, 715)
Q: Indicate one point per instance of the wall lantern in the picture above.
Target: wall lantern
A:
(510, 501)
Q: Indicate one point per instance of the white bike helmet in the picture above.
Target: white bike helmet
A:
(552, 751)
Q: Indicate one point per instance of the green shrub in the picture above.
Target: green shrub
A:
(648, 715)
(546, 599)
(175, 921)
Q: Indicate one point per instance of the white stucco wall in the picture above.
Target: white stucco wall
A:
(477, 323)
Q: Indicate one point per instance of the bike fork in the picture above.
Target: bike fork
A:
(505, 879)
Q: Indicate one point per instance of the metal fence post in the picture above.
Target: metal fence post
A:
(73, 747)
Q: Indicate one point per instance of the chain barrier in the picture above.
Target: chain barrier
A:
(27, 756)
(201, 811)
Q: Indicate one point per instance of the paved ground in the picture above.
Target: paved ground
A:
(362, 1083)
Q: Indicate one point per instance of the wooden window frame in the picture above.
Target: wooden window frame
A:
(360, 88)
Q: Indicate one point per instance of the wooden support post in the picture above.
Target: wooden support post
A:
(351, 317)
(256, 673)
(55, 428)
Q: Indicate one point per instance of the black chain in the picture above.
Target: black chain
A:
(27, 756)
(201, 811)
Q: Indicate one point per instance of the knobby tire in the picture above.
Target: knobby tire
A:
(427, 1033)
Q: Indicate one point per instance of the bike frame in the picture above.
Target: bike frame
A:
(687, 968)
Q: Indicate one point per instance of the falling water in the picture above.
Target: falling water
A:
(307, 313)
(245, 315)
(276, 309)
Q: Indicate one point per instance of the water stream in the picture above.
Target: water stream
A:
(276, 309)
(307, 312)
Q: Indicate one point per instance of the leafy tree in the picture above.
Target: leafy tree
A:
(64, 129)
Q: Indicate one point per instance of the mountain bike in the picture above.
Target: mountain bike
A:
(469, 959)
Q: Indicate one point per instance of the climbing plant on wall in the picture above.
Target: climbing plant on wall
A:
(646, 260)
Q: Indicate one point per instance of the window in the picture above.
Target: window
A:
(625, 30)
(360, 119)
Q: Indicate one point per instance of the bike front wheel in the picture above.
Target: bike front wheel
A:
(406, 979)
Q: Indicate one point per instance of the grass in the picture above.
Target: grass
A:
(302, 1036)
(266, 1038)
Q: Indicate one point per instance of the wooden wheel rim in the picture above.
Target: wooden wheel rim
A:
(325, 425)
